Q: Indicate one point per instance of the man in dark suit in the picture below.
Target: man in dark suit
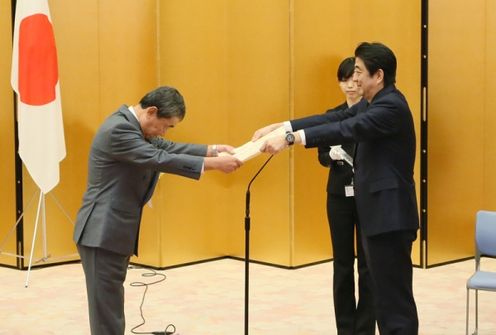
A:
(126, 157)
(382, 126)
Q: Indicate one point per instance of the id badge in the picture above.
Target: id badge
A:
(349, 191)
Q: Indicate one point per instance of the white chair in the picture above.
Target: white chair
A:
(485, 245)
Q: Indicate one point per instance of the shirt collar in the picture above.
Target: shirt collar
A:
(131, 109)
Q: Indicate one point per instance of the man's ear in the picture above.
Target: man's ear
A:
(379, 76)
(151, 111)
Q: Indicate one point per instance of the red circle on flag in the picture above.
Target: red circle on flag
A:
(38, 73)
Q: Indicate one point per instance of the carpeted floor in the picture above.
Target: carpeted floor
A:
(208, 299)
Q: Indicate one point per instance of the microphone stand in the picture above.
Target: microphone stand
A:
(247, 242)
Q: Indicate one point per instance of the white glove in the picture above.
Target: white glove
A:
(336, 153)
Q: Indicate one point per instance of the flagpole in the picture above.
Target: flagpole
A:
(18, 171)
(43, 227)
(42, 197)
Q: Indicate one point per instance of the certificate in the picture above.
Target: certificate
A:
(252, 148)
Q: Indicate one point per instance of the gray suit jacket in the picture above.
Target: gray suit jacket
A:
(123, 170)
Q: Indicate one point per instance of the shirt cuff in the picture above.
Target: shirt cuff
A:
(287, 126)
(303, 138)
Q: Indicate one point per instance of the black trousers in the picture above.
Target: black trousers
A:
(105, 273)
(352, 318)
(390, 264)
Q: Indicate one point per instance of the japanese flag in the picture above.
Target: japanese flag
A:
(35, 79)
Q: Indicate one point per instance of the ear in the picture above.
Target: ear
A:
(379, 76)
(151, 111)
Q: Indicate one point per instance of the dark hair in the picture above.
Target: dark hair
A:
(168, 101)
(346, 69)
(377, 56)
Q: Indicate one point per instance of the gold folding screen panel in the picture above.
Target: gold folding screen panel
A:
(489, 109)
(461, 151)
(231, 63)
(243, 64)
(324, 33)
(257, 62)
(7, 171)
(107, 56)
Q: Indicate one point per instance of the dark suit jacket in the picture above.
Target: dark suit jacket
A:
(340, 172)
(123, 170)
(384, 157)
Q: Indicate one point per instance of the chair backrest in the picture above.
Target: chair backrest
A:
(485, 233)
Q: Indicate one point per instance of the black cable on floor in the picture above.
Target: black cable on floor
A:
(170, 329)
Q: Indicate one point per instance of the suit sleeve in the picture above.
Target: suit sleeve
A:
(180, 148)
(127, 144)
(379, 120)
(323, 155)
(315, 120)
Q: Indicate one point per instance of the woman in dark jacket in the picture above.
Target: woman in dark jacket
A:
(352, 318)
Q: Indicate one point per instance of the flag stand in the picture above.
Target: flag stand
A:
(11, 231)
(40, 215)
(41, 207)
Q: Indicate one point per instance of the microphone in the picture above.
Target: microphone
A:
(247, 241)
(247, 208)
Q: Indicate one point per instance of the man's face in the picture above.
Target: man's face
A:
(154, 126)
(367, 84)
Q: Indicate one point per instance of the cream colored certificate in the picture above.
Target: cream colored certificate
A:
(252, 149)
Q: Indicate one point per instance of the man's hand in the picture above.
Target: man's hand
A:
(215, 149)
(265, 130)
(275, 145)
(224, 163)
(225, 148)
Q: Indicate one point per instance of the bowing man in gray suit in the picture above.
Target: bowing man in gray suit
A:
(383, 185)
(126, 157)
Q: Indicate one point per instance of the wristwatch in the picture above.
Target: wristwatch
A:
(290, 138)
